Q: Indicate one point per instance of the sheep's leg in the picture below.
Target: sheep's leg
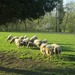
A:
(27, 45)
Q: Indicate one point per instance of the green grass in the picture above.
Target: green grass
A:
(27, 61)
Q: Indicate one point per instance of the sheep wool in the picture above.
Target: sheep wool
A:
(56, 48)
(43, 48)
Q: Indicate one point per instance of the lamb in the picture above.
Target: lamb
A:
(9, 37)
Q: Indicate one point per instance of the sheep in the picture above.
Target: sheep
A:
(52, 50)
(13, 39)
(9, 37)
(49, 50)
(56, 49)
(43, 48)
(31, 44)
(21, 37)
(25, 41)
(17, 41)
(37, 42)
(33, 38)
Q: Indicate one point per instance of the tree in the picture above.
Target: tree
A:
(22, 9)
(60, 15)
(69, 17)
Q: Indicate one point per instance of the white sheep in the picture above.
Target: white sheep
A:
(43, 48)
(56, 49)
(13, 39)
(25, 41)
(37, 42)
(50, 50)
(17, 42)
(31, 44)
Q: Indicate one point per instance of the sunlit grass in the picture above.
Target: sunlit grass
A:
(66, 41)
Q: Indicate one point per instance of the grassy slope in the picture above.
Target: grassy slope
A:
(26, 61)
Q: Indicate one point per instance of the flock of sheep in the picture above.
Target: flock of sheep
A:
(45, 48)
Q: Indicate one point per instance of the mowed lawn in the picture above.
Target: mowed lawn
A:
(30, 61)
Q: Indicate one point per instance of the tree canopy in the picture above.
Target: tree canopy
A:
(12, 10)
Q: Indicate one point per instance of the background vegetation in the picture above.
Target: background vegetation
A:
(37, 15)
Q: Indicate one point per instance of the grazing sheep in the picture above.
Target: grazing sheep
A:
(9, 37)
(13, 39)
(43, 48)
(33, 38)
(37, 42)
(21, 37)
(25, 41)
(49, 50)
(17, 41)
(31, 44)
(56, 49)
(52, 50)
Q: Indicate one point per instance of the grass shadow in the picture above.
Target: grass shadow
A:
(67, 48)
(24, 72)
(54, 71)
(69, 57)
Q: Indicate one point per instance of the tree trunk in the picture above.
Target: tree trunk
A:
(56, 28)
(60, 15)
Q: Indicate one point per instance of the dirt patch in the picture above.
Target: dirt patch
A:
(11, 61)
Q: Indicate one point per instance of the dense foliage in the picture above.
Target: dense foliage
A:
(12, 10)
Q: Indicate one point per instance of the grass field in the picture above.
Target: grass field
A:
(27, 61)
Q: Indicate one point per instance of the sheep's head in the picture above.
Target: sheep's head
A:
(12, 40)
(9, 37)
(49, 49)
(33, 38)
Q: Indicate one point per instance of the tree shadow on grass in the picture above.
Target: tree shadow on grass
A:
(24, 72)
(54, 71)
(67, 48)
(68, 57)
